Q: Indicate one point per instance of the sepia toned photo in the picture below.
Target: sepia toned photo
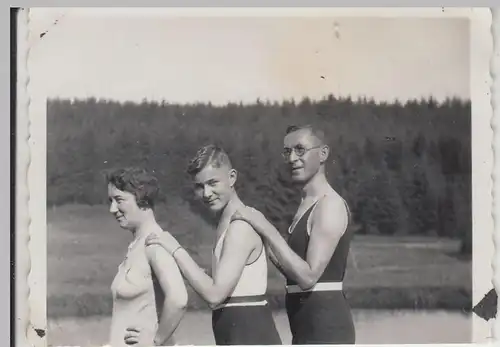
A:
(256, 177)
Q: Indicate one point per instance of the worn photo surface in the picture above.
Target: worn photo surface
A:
(399, 98)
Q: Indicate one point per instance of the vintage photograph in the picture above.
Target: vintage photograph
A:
(260, 178)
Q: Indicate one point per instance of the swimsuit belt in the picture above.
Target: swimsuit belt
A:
(319, 287)
(251, 300)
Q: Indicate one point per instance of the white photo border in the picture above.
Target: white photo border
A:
(31, 223)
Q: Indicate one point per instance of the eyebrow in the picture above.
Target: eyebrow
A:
(297, 145)
(211, 180)
(116, 197)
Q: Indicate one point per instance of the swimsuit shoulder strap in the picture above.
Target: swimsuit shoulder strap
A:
(309, 219)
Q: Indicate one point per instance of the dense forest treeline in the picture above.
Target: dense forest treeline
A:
(404, 168)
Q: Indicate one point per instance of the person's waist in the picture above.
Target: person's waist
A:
(318, 287)
(246, 300)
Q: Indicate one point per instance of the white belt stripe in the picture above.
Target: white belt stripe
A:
(230, 304)
(319, 287)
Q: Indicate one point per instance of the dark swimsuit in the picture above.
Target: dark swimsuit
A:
(245, 325)
(320, 317)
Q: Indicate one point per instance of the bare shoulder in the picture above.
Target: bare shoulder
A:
(241, 232)
(332, 204)
(155, 252)
(331, 211)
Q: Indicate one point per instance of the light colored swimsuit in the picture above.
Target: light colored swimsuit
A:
(137, 297)
(245, 318)
(253, 280)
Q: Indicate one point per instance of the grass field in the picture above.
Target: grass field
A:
(85, 247)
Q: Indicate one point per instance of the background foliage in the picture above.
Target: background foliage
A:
(404, 169)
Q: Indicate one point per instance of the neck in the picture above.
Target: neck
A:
(147, 225)
(316, 186)
(231, 207)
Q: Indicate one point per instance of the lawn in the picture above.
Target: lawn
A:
(85, 247)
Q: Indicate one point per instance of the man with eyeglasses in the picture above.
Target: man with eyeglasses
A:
(314, 256)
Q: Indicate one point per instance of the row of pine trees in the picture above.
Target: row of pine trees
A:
(404, 168)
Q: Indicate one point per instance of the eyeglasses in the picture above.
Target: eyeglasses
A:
(298, 150)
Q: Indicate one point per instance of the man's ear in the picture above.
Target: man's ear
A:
(324, 153)
(233, 175)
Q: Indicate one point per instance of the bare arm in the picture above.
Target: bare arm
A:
(329, 223)
(172, 284)
(238, 244)
(273, 259)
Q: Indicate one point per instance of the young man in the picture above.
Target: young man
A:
(314, 257)
(236, 292)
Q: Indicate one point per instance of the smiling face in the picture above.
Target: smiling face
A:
(124, 208)
(214, 186)
(304, 154)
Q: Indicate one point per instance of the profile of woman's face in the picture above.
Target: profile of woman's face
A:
(123, 206)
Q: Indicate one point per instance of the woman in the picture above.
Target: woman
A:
(236, 291)
(149, 295)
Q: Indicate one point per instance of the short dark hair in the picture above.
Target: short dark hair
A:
(137, 181)
(208, 155)
(315, 131)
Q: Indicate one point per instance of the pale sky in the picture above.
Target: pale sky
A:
(242, 59)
